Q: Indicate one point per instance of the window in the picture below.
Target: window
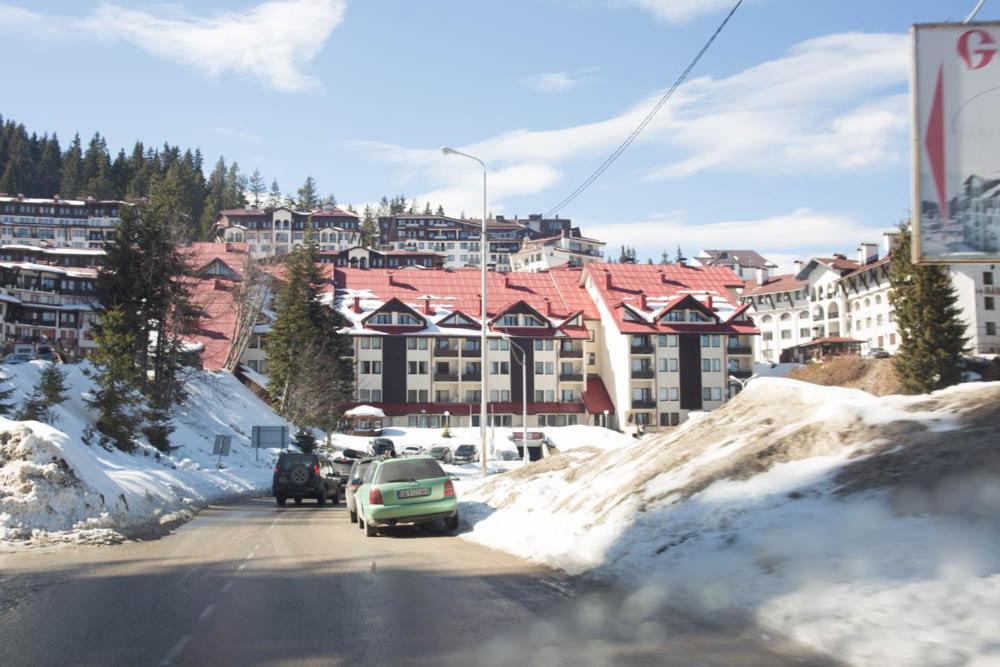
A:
(670, 418)
(371, 343)
(546, 344)
(376, 395)
(989, 303)
(673, 316)
(642, 418)
(416, 396)
(371, 367)
(706, 341)
(499, 344)
(991, 328)
(382, 318)
(768, 335)
(711, 365)
(673, 394)
(532, 321)
(987, 277)
(508, 321)
(500, 367)
(668, 340)
(804, 333)
(568, 396)
(706, 394)
(417, 368)
(697, 316)
(416, 343)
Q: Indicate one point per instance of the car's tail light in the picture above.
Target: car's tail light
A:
(276, 468)
(375, 497)
(449, 489)
(316, 469)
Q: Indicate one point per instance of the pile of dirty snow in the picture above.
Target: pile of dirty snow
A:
(862, 526)
(56, 487)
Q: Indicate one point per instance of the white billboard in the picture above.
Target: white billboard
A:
(955, 90)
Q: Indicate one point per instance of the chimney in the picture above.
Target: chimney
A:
(219, 285)
(762, 276)
(867, 253)
(709, 302)
(548, 308)
(890, 240)
(642, 301)
(391, 281)
(607, 279)
(506, 280)
(357, 304)
(427, 307)
(839, 255)
(663, 278)
(799, 265)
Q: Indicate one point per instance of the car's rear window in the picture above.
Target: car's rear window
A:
(289, 461)
(362, 469)
(465, 448)
(407, 470)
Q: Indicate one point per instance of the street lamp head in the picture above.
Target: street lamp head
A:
(448, 150)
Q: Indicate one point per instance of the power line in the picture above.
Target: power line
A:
(645, 121)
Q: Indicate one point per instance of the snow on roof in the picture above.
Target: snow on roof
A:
(364, 411)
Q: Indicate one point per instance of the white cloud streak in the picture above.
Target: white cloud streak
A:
(557, 82)
(269, 43)
(674, 11)
(830, 104)
(790, 236)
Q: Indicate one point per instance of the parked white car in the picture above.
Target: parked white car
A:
(413, 450)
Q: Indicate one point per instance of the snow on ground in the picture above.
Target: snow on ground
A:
(54, 487)
(863, 527)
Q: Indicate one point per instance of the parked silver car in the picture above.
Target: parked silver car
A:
(358, 470)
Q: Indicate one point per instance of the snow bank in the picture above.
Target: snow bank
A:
(54, 487)
(863, 527)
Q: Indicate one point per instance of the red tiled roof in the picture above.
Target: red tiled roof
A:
(596, 397)
(783, 283)
(213, 297)
(830, 339)
(460, 289)
(664, 282)
(837, 263)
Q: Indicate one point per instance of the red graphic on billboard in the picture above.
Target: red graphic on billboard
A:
(979, 53)
(934, 143)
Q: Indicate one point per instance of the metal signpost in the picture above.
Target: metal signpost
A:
(223, 445)
(268, 437)
(956, 142)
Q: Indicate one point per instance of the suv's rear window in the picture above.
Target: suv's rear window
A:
(289, 461)
(465, 449)
(406, 470)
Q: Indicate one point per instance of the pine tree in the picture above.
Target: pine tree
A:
(369, 228)
(305, 441)
(115, 398)
(427, 208)
(680, 255)
(308, 197)
(6, 406)
(34, 408)
(257, 188)
(664, 258)
(440, 210)
(52, 383)
(274, 198)
(931, 330)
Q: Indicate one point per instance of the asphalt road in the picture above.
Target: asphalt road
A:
(252, 584)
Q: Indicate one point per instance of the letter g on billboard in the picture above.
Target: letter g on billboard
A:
(976, 48)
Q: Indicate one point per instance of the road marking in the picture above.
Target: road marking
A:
(175, 652)
(208, 612)
(241, 567)
(225, 589)
(249, 555)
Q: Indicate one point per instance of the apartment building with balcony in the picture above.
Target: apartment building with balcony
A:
(674, 339)
(458, 239)
(551, 252)
(47, 296)
(57, 222)
(268, 232)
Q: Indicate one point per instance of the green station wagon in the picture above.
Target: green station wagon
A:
(407, 490)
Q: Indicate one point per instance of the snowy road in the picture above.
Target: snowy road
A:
(252, 584)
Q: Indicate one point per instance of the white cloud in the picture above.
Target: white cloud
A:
(674, 11)
(557, 82)
(830, 104)
(795, 235)
(270, 42)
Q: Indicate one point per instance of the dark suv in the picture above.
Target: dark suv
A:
(381, 447)
(301, 476)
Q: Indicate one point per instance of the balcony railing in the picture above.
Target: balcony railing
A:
(446, 377)
(642, 373)
(643, 404)
(642, 349)
(571, 377)
(471, 377)
(740, 350)
(445, 351)
(741, 374)
(571, 354)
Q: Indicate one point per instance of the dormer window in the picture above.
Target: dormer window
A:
(382, 318)
(532, 321)
(508, 321)
(696, 316)
(629, 316)
(407, 319)
(674, 316)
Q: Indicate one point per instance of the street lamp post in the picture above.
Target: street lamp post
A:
(483, 250)
(742, 383)
(524, 400)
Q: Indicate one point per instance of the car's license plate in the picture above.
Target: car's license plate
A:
(282, 478)
(412, 493)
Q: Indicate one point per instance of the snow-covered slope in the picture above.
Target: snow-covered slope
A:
(862, 526)
(53, 486)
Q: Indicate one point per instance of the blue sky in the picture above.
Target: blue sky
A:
(790, 138)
